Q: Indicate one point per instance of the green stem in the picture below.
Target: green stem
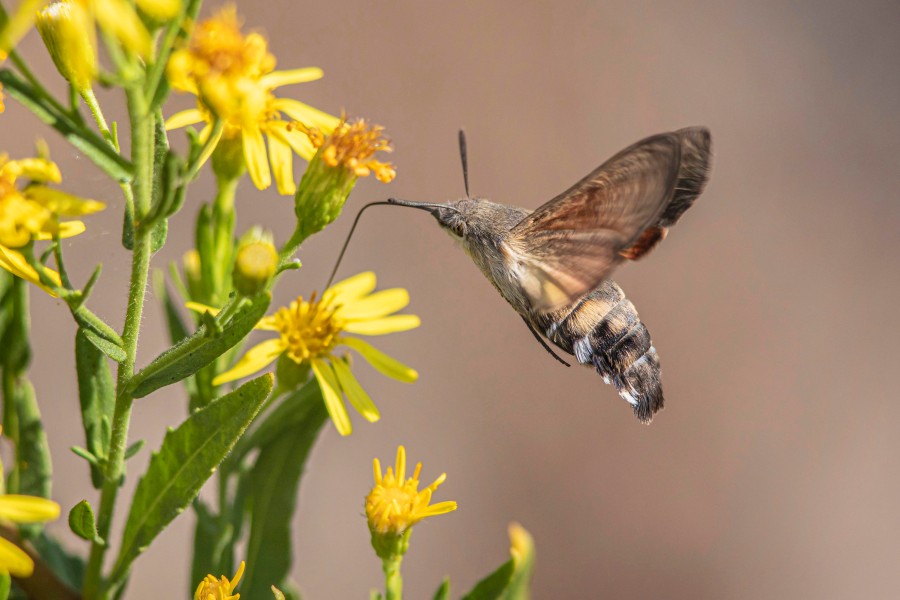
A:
(393, 581)
(142, 158)
(223, 218)
(91, 100)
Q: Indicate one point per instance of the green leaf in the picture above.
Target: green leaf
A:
(191, 354)
(188, 457)
(110, 349)
(81, 521)
(158, 237)
(206, 537)
(494, 585)
(5, 585)
(512, 580)
(33, 453)
(133, 449)
(16, 351)
(97, 395)
(273, 483)
(92, 145)
(443, 592)
(68, 567)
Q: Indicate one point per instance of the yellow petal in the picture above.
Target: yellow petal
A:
(376, 305)
(209, 148)
(255, 157)
(282, 160)
(16, 264)
(297, 140)
(14, 560)
(267, 324)
(62, 203)
(333, 403)
(66, 229)
(440, 508)
(382, 362)
(351, 288)
(192, 116)
(202, 308)
(256, 359)
(355, 393)
(27, 509)
(279, 78)
(306, 114)
(37, 169)
(384, 325)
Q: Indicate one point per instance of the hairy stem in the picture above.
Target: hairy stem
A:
(142, 158)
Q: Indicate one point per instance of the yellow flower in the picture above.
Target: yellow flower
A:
(351, 145)
(219, 589)
(233, 77)
(22, 509)
(310, 332)
(33, 212)
(395, 503)
(68, 33)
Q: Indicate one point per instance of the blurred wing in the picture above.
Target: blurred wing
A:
(569, 245)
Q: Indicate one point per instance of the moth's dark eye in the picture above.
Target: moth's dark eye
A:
(458, 228)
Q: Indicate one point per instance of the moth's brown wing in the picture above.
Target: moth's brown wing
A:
(569, 245)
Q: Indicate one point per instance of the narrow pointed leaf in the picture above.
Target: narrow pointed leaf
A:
(273, 483)
(192, 354)
(188, 457)
(494, 585)
(110, 349)
(97, 395)
(33, 453)
(443, 592)
(92, 145)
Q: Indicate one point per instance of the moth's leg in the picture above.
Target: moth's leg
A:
(538, 337)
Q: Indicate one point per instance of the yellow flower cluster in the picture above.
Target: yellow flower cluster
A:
(395, 503)
(233, 77)
(219, 589)
(310, 331)
(352, 146)
(32, 213)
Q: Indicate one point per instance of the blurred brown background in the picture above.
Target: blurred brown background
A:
(773, 471)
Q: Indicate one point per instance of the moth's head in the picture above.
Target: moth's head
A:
(471, 221)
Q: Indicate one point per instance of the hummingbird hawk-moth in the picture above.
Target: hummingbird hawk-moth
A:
(553, 264)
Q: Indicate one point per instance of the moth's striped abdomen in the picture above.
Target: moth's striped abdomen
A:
(604, 330)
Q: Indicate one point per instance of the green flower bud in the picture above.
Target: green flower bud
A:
(254, 266)
(68, 33)
(343, 157)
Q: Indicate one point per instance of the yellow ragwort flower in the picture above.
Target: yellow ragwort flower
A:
(219, 589)
(32, 213)
(352, 145)
(310, 332)
(233, 77)
(395, 503)
(16, 508)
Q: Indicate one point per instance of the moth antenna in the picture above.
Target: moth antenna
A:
(463, 156)
(347, 241)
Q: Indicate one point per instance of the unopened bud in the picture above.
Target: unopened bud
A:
(254, 266)
(160, 10)
(68, 33)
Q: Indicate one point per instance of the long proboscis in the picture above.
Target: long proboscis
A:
(389, 202)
